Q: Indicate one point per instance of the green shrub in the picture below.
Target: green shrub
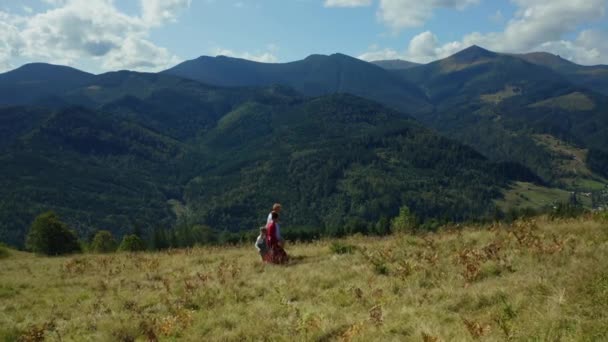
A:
(48, 235)
(405, 222)
(381, 269)
(341, 248)
(601, 216)
(131, 243)
(103, 242)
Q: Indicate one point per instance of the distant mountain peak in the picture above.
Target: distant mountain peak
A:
(340, 55)
(473, 53)
(318, 56)
(315, 56)
(44, 67)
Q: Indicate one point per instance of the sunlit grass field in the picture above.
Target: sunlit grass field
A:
(535, 280)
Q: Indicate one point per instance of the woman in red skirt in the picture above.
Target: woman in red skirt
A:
(276, 253)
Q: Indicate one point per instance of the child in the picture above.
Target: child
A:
(260, 243)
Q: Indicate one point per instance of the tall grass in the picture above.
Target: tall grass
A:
(533, 280)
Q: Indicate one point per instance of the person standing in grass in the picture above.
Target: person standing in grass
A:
(276, 253)
(276, 208)
(261, 245)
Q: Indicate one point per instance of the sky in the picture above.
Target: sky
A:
(152, 35)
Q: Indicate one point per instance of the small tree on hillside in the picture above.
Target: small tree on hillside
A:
(383, 226)
(48, 235)
(103, 242)
(203, 235)
(131, 243)
(405, 222)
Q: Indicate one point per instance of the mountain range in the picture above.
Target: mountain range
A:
(498, 103)
(341, 142)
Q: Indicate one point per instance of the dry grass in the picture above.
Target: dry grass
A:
(502, 95)
(535, 280)
(574, 102)
(569, 160)
(450, 65)
(523, 195)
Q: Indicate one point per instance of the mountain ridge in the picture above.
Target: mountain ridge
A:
(313, 76)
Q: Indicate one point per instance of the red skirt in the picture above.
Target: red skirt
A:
(276, 255)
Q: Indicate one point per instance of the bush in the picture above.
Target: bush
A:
(48, 235)
(103, 242)
(341, 248)
(405, 222)
(601, 216)
(131, 243)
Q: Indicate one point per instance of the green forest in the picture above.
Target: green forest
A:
(148, 153)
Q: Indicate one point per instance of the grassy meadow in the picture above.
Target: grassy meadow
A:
(534, 280)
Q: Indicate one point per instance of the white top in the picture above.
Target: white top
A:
(260, 241)
(268, 220)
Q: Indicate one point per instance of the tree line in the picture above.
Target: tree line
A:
(48, 235)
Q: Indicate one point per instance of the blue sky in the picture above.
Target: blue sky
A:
(150, 35)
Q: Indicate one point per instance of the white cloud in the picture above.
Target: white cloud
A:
(74, 30)
(590, 47)
(424, 44)
(264, 57)
(542, 25)
(399, 14)
(538, 25)
(423, 48)
(157, 12)
(347, 3)
(139, 54)
(539, 21)
(10, 39)
(379, 55)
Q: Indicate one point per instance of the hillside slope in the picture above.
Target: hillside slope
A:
(224, 154)
(97, 171)
(38, 81)
(497, 103)
(395, 64)
(593, 77)
(535, 280)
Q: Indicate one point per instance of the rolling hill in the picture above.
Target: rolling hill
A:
(494, 102)
(38, 81)
(497, 103)
(222, 154)
(592, 77)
